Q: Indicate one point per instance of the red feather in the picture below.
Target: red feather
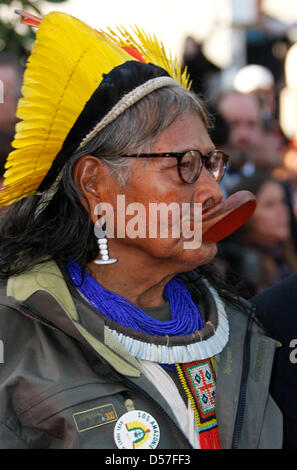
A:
(27, 15)
(32, 20)
(134, 53)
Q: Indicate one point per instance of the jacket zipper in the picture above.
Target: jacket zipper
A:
(243, 383)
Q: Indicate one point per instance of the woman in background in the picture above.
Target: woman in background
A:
(262, 251)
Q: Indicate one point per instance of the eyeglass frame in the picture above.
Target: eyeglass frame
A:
(179, 156)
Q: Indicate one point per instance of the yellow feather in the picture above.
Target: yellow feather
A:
(63, 71)
(66, 66)
(151, 49)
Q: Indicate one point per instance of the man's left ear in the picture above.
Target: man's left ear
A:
(87, 173)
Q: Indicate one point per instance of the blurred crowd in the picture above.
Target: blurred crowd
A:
(263, 161)
(263, 252)
(245, 124)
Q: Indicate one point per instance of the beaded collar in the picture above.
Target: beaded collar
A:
(202, 344)
(164, 349)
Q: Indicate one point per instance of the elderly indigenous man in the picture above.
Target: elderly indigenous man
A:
(132, 343)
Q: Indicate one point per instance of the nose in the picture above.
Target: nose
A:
(207, 190)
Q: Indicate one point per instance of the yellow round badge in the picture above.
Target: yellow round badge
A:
(136, 429)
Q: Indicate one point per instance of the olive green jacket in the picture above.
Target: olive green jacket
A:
(65, 380)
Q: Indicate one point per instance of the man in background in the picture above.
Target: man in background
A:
(243, 116)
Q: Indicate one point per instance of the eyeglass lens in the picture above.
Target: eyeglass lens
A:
(191, 165)
(216, 165)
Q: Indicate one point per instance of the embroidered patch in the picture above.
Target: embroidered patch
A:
(203, 385)
(198, 380)
(136, 430)
(94, 417)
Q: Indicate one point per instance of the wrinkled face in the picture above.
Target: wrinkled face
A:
(243, 117)
(157, 181)
(269, 224)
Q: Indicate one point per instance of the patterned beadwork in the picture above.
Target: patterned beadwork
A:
(198, 380)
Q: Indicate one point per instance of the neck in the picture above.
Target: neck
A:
(137, 278)
(144, 289)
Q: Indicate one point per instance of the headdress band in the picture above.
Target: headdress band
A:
(127, 101)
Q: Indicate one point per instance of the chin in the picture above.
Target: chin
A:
(201, 256)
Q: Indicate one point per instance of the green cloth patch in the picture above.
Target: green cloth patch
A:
(94, 417)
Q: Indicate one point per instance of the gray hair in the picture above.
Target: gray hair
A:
(136, 130)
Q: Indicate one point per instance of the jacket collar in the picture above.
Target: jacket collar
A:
(43, 291)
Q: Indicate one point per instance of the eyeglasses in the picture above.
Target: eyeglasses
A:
(190, 163)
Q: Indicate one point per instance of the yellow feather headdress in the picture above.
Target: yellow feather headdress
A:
(67, 65)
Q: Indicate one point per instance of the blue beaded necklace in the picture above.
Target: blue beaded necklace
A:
(185, 314)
